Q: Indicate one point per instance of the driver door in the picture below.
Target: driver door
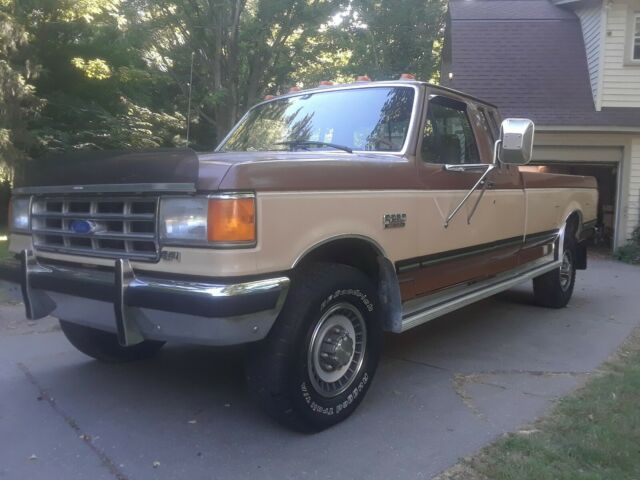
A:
(483, 237)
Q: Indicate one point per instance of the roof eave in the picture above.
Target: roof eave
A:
(587, 128)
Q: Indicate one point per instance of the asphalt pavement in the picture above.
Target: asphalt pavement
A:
(443, 390)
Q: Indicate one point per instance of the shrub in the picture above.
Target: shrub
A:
(630, 253)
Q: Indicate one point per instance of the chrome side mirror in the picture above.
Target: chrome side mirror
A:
(515, 146)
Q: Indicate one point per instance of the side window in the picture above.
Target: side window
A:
(448, 136)
(488, 124)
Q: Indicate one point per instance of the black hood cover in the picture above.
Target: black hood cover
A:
(111, 167)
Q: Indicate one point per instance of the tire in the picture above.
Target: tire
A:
(104, 346)
(554, 288)
(319, 359)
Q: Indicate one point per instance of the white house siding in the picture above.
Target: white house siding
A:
(634, 187)
(591, 21)
(621, 83)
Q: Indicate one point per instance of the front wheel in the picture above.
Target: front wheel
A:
(318, 361)
(554, 288)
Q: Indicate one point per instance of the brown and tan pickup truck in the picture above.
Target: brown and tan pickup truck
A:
(325, 218)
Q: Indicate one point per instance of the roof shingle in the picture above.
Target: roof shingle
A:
(527, 57)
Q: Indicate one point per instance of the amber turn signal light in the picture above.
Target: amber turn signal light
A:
(232, 220)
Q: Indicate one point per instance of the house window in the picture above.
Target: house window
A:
(636, 37)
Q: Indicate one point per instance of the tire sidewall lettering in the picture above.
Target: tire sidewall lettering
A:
(368, 304)
(354, 393)
(339, 405)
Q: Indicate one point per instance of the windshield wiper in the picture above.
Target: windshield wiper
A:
(303, 143)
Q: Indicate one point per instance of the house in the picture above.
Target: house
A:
(573, 67)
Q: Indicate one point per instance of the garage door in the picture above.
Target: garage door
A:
(599, 162)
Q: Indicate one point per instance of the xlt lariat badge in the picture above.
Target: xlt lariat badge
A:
(394, 220)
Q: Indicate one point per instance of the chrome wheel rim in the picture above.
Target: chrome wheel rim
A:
(566, 270)
(336, 350)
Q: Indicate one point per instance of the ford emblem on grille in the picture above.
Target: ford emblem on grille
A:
(83, 226)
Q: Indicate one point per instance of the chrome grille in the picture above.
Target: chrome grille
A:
(110, 227)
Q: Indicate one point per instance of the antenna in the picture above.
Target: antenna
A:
(189, 102)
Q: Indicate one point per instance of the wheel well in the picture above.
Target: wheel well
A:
(368, 258)
(574, 222)
(355, 252)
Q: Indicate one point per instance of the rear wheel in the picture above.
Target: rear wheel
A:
(318, 361)
(104, 346)
(554, 288)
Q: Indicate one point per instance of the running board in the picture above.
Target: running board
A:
(419, 312)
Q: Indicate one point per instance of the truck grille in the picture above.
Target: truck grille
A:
(110, 227)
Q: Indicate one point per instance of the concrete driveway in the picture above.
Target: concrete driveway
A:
(443, 391)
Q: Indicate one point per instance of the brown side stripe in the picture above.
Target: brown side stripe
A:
(403, 266)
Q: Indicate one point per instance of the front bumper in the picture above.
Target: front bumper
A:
(139, 306)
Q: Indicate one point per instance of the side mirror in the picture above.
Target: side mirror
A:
(516, 141)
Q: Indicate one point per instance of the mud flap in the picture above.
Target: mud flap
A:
(581, 256)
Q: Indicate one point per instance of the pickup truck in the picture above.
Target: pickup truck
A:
(325, 218)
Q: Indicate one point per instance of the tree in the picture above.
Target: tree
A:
(98, 90)
(241, 48)
(18, 102)
(116, 73)
(390, 37)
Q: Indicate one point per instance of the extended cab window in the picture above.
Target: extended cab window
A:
(370, 118)
(448, 136)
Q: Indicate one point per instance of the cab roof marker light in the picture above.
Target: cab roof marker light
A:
(407, 76)
(295, 88)
(269, 97)
(363, 78)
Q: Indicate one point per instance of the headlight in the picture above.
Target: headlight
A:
(227, 220)
(19, 214)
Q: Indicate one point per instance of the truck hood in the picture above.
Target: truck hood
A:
(287, 171)
(185, 170)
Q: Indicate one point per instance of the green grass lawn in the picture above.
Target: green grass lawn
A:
(592, 434)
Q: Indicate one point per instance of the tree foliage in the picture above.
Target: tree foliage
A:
(94, 74)
(18, 101)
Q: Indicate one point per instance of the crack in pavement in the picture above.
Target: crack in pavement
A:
(461, 380)
(416, 362)
(105, 460)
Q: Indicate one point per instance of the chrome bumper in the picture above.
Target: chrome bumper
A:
(141, 306)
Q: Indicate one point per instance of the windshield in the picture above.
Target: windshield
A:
(375, 118)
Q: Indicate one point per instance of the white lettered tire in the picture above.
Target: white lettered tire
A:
(318, 361)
